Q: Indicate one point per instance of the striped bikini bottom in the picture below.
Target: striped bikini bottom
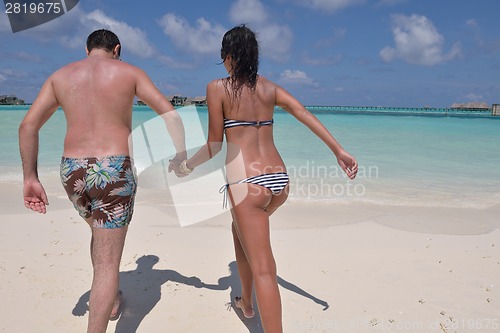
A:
(275, 182)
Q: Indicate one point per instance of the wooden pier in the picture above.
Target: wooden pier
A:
(405, 110)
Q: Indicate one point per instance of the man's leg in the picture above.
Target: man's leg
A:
(106, 250)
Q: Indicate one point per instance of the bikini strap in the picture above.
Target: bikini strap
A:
(223, 190)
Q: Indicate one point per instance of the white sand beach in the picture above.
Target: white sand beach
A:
(342, 268)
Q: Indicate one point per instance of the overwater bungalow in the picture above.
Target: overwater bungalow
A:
(495, 110)
(200, 101)
(177, 100)
(10, 100)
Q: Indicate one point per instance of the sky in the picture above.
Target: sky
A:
(399, 53)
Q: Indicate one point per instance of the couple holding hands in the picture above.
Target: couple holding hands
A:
(97, 94)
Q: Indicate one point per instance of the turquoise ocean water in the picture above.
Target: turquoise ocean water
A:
(435, 159)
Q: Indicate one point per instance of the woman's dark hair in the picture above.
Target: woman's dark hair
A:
(241, 45)
(103, 39)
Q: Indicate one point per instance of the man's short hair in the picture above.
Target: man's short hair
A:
(103, 39)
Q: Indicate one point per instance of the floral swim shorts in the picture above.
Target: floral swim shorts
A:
(102, 188)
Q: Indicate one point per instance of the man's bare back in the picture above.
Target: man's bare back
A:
(97, 95)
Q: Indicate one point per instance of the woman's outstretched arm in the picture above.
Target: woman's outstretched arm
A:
(290, 104)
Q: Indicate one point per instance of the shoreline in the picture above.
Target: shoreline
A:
(412, 218)
(155, 189)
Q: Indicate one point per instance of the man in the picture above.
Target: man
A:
(96, 95)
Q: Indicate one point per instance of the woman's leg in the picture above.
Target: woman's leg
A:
(246, 276)
(244, 270)
(252, 227)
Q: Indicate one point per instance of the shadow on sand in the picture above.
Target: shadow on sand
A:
(142, 291)
(232, 282)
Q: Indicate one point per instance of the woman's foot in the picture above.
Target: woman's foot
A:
(247, 311)
(117, 307)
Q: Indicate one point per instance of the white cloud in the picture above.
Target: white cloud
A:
(275, 40)
(417, 42)
(391, 2)
(29, 57)
(164, 86)
(4, 22)
(71, 31)
(204, 38)
(50, 31)
(12, 73)
(248, 11)
(172, 63)
(329, 6)
(471, 23)
(133, 39)
(3, 78)
(474, 97)
(337, 34)
(297, 77)
(325, 61)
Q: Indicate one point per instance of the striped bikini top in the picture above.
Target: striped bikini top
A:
(228, 123)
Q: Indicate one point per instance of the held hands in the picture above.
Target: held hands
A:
(179, 166)
(35, 197)
(348, 164)
(175, 167)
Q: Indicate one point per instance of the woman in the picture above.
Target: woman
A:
(242, 106)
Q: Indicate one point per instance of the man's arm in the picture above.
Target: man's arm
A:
(42, 109)
(149, 94)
